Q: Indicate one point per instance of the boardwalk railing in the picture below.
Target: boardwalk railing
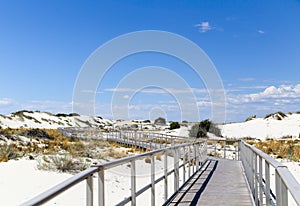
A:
(267, 189)
(146, 139)
(189, 157)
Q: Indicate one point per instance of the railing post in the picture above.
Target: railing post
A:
(176, 171)
(133, 183)
(184, 162)
(237, 151)
(101, 191)
(215, 149)
(89, 191)
(281, 190)
(284, 192)
(197, 157)
(166, 176)
(260, 181)
(152, 181)
(224, 149)
(194, 158)
(189, 159)
(278, 189)
(252, 175)
(267, 180)
(256, 180)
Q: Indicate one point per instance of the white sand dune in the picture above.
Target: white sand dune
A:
(37, 119)
(261, 128)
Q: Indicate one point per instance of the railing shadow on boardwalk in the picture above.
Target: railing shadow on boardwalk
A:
(190, 192)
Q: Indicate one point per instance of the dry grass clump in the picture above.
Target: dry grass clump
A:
(289, 149)
(62, 163)
(8, 152)
(148, 160)
(159, 156)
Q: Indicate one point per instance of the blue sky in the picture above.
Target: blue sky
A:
(254, 45)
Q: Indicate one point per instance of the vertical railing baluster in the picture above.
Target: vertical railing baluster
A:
(101, 191)
(133, 183)
(260, 181)
(89, 191)
(176, 170)
(184, 162)
(224, 149)
(197, 157)
(152, 181)
(278, 189)
(251, 158)
(256, 180)
(284, 193)
(166, 176)
(267, 180)
(189, 158)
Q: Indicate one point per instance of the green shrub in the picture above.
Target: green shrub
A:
(201, 129)
(160, 121)
(174, 125)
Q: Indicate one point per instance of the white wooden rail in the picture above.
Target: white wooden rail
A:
(258, 167)
(192, 156)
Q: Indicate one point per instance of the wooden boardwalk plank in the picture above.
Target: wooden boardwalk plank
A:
(220, 182)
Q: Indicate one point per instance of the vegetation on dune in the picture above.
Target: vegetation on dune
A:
(250, 118)
(174, 125)
(55, 151)
(200, 129)
(289, 149)
(160, 121)
(8, 152)
(277, 115)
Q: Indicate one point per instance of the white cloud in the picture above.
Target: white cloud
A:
(261, 31)
(283, 91)
(279, 95)
(126, 96)
(91, 91)
(159, 90)
(247, 79)
(5, 101)
(204, 26)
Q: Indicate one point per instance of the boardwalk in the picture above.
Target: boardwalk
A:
(220, 182)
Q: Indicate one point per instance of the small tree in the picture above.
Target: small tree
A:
(160, 121)
(174, 125)
(197, 131)
(200, 129)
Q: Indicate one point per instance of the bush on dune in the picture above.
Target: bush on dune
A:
(8, 152)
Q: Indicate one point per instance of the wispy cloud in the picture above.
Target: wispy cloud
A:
(247, 79)
(9, 105)
(6, 101)
(126, 96)
(261, 31)
(159, 90)
(204, 26)
(91, 91)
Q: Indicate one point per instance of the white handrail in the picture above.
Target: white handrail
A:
(179, 151)
(259, 177)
